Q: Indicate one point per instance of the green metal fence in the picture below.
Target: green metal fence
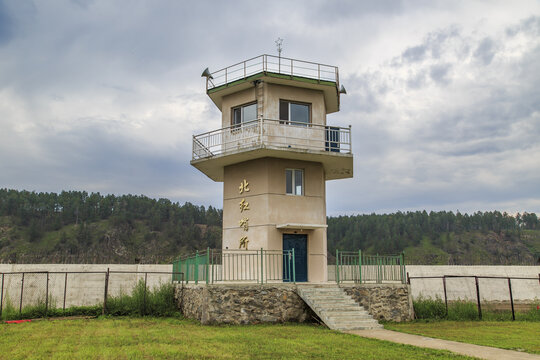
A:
(360, 268)
(259, 266)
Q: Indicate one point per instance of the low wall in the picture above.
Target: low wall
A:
(84, 286)
(252, 304)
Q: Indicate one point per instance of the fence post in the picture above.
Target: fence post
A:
(180, 269)
(22, 290)
(196, 267)
(187, 269)
(65, 291)
(378, 269)
(337, 266)
(212, 257)
(207, 265)
(402, 267)
(293, 267)
(262, 266)
(144, 297)
(2, 296)
(360, 266)
(478, 298)
(445, 297)
(511, 298)
(47, 295)
(105, 293)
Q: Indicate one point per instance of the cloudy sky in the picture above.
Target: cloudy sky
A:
(443, 96)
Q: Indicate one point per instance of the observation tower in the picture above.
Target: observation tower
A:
(274, 153)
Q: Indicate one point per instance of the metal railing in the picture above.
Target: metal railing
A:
(273, 64)
(255, 266)
(360, 268)
(271, 133)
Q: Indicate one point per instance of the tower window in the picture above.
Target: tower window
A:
(294, 182)
(297, 113)
(244, 113)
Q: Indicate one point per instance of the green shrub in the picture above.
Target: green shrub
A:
(532, 315)
(462, 310)
(429, 308)
(158, 301)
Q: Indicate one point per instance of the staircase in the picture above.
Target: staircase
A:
(337, 309)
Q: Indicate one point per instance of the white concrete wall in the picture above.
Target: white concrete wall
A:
(82, 289)
(465, 288)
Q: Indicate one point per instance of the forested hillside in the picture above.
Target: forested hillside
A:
(441, 237)
(77, 227)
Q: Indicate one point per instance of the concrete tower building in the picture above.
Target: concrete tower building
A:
(274, 153)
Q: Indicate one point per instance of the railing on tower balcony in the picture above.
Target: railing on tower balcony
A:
(273, 64)
(273, 134)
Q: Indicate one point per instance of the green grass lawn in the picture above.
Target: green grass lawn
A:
(515, 335)
(148, 338)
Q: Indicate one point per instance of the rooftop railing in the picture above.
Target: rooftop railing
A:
(278, 134)
(273, 64)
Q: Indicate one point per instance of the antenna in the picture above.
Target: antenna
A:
(279, 42)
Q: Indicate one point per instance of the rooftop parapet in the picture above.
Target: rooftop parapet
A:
(278, 70)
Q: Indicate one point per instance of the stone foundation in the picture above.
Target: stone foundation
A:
(389, 302)
(242, 304)
(273, 303)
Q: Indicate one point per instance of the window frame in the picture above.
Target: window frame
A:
(293, 182)
(242, 121)
(288, 121)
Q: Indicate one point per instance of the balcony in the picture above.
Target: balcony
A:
(330, 145)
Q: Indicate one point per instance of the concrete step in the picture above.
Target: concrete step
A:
(346, 308)
(327, 311)
(358, 327)
(329, 301)
(346, 318)
(326, 298)
(372, 324)
(346, 314)
(334, 308)
(322, 291)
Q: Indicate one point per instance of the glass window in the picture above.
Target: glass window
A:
(244, 113)
(298, 180)
(289, 181)
(249, 112)
(294, 182)
(297, 113)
